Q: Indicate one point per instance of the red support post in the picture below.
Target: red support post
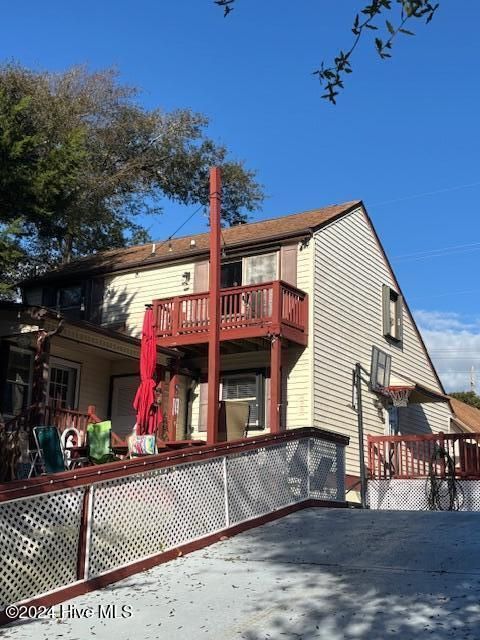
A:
(275, 383)
(173, 403)
(214, 308)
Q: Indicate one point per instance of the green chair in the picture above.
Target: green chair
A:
(49, 454)
(99, 441)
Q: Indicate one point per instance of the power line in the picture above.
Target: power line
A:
(171, 236)
(426, 193)
(438, 253)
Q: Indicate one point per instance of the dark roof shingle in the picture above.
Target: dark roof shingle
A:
(244, 234)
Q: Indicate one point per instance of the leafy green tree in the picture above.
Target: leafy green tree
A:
(402, 14)
(81, 158)
(469, 397)
(11, 254)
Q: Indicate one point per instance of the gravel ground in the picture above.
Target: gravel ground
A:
(330, 574)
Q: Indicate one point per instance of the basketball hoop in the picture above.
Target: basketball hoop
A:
(397, 394)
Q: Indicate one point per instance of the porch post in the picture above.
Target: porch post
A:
(275, 383)
(41, 368)
(173, 402)
(214, 308)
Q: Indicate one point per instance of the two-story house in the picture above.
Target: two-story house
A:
(304, 298)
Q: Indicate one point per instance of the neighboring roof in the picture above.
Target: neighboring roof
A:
(253, 233)
(468, 416)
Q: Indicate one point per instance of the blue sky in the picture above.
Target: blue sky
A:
(402, 128)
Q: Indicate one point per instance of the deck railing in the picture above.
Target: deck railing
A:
(66, 533)
(269, 303)
(54, 416)
(418, 456)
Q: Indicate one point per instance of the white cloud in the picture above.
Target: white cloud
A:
(453, 341)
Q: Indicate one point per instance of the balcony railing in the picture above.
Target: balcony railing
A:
(419, 456)
(245, 311)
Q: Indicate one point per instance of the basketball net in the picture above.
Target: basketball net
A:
(398, 395)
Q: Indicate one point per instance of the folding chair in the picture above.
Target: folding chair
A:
(99, 441)
(48, 455)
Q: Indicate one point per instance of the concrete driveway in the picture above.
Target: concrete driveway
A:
(320, 573)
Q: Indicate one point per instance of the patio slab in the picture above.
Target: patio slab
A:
(319, 573)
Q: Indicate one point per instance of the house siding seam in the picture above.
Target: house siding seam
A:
(349, 271)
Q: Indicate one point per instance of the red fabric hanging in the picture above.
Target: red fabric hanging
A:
(148, 413)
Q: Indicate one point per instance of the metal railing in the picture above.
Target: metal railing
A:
(418, 456)
(270, 303)
(74, 529)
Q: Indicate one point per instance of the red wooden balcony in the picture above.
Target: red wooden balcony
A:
(245, 312)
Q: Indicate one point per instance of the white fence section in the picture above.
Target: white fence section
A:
(140, 515)
(413, 495)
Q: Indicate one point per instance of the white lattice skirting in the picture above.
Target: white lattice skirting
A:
(140, 515)
(412, 495)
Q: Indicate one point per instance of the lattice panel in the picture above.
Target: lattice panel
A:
(327, 470)
(412, 495)
(145, 514)
(267, 479)
(39, 544)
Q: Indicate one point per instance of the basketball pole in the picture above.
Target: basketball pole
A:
(361, 449)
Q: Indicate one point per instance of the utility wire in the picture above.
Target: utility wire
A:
(426, 193)
(171, 236)
(438, 253)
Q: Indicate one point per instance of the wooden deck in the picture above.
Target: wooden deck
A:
(252, 311)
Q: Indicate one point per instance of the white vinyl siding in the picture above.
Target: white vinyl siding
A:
(127, 294)
(94, 385)
(349, 273)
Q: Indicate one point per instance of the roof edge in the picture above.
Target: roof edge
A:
(53, 275)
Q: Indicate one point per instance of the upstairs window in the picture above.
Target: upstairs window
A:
(231, 274)
(81, 300)
(261, 268)
(71, 298)
(392, 314)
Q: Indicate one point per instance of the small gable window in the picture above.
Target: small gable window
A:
(392, 314)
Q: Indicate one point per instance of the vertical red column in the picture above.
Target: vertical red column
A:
(173, 402)
(214, 308)
(275, 383)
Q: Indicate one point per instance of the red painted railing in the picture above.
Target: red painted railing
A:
(270, 303)
(55, 416)
(418, 456)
